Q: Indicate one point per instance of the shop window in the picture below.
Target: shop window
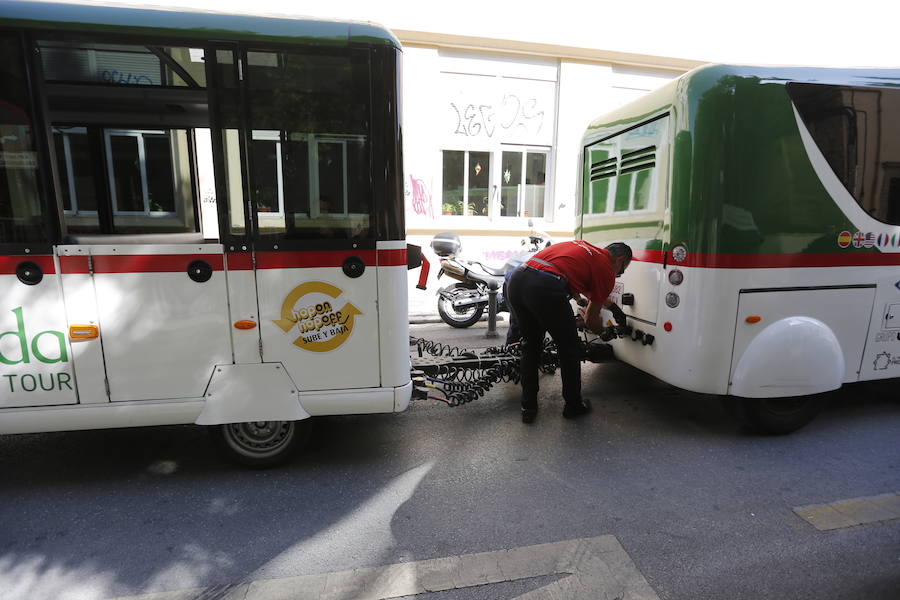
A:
(467, 183)
(523, 187)
(516, 189)
(853, 128)
(454, 187)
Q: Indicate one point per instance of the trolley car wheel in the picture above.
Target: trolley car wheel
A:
(777, 416)
(260, 444)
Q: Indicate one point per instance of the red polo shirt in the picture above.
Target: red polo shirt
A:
(588, 268)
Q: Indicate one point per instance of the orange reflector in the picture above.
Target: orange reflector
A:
(753, 319)
(83, 332)
(246, 324)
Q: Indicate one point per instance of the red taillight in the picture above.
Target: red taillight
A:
(667, 326)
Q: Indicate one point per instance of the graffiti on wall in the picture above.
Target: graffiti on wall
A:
(420, 198)
(513, 114)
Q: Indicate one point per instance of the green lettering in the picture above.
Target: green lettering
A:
(23, 342)
(33, 383)
(60, 381)
(49, 381)
(10, 377)
(63, 355)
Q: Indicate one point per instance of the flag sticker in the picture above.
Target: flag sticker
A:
(869, 239)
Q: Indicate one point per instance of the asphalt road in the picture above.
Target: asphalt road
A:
(701, 506)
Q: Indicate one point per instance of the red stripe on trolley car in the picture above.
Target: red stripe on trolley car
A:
(152, 263)
(774, 261)
(310, 259)
(74, 265)
(8, 264)
(392, 258)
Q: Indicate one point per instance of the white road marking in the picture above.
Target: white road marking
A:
(596, 568)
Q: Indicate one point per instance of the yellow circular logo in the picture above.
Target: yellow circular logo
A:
(310, 310)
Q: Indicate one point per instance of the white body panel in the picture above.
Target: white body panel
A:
(242, 393)
(188, 410)
(242, 306)
(804, 328)
(87, 354)
(169, 351)
(881, 358)
(162, 332)
(36, 365)
(644, 280)
(393, 324)
(101, 416)
(699, 351)
(351, 363)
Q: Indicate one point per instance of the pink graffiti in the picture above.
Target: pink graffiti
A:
(421, 198)
(501, 254)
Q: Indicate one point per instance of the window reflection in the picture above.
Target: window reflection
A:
(310, 144)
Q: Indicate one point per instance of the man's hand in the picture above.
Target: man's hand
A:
(618, 315)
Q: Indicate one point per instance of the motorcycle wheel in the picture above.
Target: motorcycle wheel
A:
(462, 317)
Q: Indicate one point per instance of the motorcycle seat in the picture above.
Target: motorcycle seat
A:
(500, 272)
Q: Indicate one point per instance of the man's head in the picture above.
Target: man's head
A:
(621, 256)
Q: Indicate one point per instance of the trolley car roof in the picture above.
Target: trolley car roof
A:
(707, 80)
(190, 23)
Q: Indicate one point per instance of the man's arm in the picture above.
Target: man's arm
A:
(593, 321)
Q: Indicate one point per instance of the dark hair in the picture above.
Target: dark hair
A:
(619, 249)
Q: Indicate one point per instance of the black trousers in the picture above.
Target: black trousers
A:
(541, 304)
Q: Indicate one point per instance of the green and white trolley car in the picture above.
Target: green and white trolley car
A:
(763, 205)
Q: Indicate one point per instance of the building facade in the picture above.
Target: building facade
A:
(491, 137)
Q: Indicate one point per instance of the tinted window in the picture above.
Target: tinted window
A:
(857, 129)
(118, 64)
(309, 149)
(21, 214)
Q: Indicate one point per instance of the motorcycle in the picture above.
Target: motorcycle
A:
(463, 303)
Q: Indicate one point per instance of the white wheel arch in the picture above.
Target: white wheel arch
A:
(794, 356)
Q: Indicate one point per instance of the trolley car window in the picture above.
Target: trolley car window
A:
(118, 64)
(856, 129)
(21, 213)
(123, 119)
(620, 171)
(309, 148)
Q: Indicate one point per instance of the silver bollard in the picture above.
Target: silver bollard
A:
(493, 288)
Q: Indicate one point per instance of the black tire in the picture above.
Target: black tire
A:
(260, 444)
(777, 416)
(456, 318)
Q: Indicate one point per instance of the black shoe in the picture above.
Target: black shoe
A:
(529, 415)
(575, 410)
